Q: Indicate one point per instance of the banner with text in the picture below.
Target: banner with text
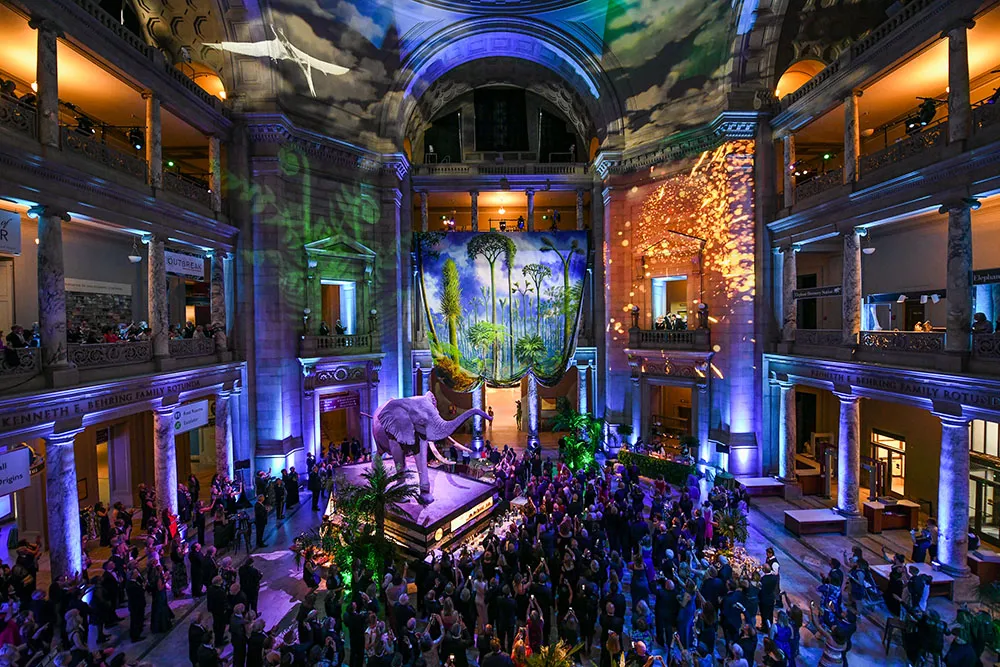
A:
(10, 233)
(15, 470)
(190, 416)
(181, 264)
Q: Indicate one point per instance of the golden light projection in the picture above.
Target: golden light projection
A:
(699, 224)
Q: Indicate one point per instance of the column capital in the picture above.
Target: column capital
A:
(845, 395)
(47, 211)
(951, 420)
(473, 193)
(166, 405)
(149, 95)
(43, 24)
(959, 24)
(529, 192)
(65, 431)
(961, 204)
(853, 92)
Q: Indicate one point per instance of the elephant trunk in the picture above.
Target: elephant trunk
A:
(443, 429)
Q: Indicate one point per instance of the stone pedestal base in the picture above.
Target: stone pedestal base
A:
(791, 491)
(956, 572)
(856, 525)
(63, 376)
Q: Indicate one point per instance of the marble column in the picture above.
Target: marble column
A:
(703, 407)
(635, 404)
(959, 278)
(953, 495)
(156, 287)
(224, 435)
(165, 458)
(62, 500)
(534, 409)
(218, 292)
(959, 96)
(530, 196)
(789, 283)
(787, 433)
(51, 285)
(851, 287)
(154, 140)
(47, 78)
(849, 454)
(579, 210)
(423, 211)
(477, 422)
(852, 136)
(474, 198)
(215, 172)
(788, 142)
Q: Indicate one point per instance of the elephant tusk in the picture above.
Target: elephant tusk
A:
(459, 445)
(437, 454)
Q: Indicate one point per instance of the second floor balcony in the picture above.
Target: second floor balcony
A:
(699, 340)
(916, 349)
(338, 345)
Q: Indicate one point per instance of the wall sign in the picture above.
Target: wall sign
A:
(935, 390)
(985, 276)
(190, 416)
(817, 292)
(15, 470)
(10, 233)
(340, 401)
(180, 264)
(97, 287)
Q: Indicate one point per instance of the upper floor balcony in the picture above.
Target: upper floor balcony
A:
(338, 345)
(696, 340)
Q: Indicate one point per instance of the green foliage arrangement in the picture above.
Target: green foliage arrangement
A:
(559, 654)
(585, 434)
(650, 466)
(734, 526)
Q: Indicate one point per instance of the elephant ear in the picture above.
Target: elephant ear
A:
(396, 421)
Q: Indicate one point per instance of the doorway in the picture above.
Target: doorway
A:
(805, 417)
(339, 306)
(669, 297)
(103, 466)
(890, 449)
(339, 418)
(669, 412)
(984, 494)
(504, 427)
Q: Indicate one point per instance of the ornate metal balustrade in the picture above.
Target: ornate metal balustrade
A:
(100, 152)
(819, 337)
(109, 354)
(186, 188)
(986, 116)
(191, 347)
(18, 116)
(905, 149)
(30, 363)
(902, 341)
(450, 169)
(317, 346)
(819, 183)
(986, 346)
(658, 339)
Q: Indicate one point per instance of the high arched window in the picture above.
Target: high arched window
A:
(797, 74)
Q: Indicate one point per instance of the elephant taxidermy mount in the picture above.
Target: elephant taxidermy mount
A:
(412, 425)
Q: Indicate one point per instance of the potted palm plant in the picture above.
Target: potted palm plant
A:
(733, 526)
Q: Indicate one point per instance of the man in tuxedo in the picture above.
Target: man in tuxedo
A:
(196, 637)
(260, 520)
(197, 562)
(135, 591)
(250, 578)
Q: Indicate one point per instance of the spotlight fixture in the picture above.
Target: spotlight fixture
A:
(923, 299)
(85, 126)
(134, 256)
(827, 156)
(170, 163)
(502, 210)
(935, 298)
(901, 299)
(135, 138)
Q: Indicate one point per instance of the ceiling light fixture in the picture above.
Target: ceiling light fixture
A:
(134, 256)
(935, 298)
(34, 86)
(901, 299)
(502, 210)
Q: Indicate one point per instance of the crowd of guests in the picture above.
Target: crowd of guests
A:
(83, 333)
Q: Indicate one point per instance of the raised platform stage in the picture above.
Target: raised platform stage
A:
(813, 522)
(460, 504)
(759, 487)
(942, 585)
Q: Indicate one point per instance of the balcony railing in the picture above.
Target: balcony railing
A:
(30, 362)
(819, 337)
(317, 346)
(659, 339)
(18, 116)
(986, 346)
(451, 169)
(103, 153)
(109, 354)
(903, 341)
(191, 347)
(185, 187)
(820, 183)
(985, 117)
(905, 149)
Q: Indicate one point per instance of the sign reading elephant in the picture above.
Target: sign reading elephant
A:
(404, 425)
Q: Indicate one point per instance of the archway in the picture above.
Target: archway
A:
(796, 76)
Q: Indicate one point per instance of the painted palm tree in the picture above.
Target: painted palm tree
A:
(537, 273)
(530, 350)
(483, 337)
(521, 291)
(426, 250)
(508, 262)
(565, 256)
(451, 305)
(384, 490)
(491, 246)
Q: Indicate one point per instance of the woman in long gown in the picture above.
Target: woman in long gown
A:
(103, 523)
(178, 570)
(160, 614)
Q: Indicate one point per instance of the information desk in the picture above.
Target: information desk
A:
(809, 475)
(942, 585)
(902, 514)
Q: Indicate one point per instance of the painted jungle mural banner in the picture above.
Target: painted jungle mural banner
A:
(499, 305)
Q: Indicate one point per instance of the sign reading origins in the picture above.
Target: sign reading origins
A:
(180, 264)
(816, 292)
(10, 233)
(339, 401)
(190, 416)
(15, 470)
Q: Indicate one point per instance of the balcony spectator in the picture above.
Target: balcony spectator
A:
(16, 337)
(981, 325)
(111, 335)
(324, 329)
(340, 328)
(199, 332)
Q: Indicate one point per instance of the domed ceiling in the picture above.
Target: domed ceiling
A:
(348, 66)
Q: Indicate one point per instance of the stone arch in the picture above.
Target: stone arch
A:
(512, 38)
